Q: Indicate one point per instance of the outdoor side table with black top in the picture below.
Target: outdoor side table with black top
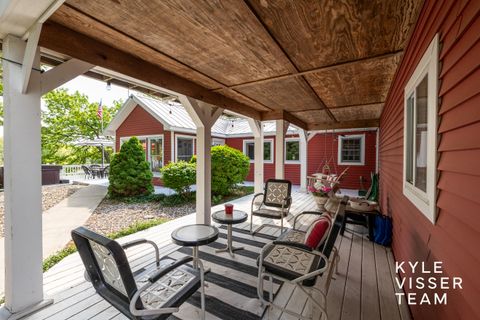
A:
(194, 235)
(229, 219)
(358, 217)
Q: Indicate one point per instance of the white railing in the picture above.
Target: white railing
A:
(72, 171)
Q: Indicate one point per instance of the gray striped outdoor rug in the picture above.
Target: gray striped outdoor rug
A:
(231, 291)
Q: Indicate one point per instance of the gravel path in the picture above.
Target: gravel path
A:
(51, 195)
(112, 215)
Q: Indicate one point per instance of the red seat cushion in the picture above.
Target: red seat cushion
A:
(317, 233)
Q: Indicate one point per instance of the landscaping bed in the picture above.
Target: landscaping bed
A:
(51, 195)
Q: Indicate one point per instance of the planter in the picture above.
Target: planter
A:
(320, 201)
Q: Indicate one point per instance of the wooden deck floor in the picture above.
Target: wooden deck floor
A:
(363, 289)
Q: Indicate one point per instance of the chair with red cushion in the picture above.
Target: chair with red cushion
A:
(298, 263)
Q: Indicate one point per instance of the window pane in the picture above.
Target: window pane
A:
(184, 149)
(267, 151)
(292, 150)
(250, 146)
(156, 153)
(421, 127)
(409, 137)
(351, 150)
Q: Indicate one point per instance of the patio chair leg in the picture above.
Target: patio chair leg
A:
(251, 223)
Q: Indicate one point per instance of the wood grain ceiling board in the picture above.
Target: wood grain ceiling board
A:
(359, 83)
(371, 111)
(75, 20)
(221, 39)
(320, 33)
(290, 94)
(313, 116)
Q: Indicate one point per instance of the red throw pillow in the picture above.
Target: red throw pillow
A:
(317, 233)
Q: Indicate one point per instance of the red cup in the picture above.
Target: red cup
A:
(228, 208)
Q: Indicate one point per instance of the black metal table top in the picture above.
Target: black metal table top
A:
(194, 235)
(223, 218)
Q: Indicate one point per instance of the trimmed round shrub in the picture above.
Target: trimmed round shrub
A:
(229, 167)
(130, 173)
(179, 176)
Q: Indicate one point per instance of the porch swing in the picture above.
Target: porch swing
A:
(326, 176)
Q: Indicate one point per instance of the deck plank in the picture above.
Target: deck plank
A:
(363, 289)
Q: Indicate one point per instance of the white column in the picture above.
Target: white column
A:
(204, 116)
(303, 159)
(281, 130)
(23, 196)
(257, 129)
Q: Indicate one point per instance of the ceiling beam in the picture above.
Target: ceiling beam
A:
(74, 44)
(311, 71)
(369, 123)
(291, 64)
(284, 115)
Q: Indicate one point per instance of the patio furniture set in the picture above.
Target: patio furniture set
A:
(95, 171)
(156, 291)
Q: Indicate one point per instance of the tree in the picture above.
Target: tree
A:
(130, 173)
(67, 118)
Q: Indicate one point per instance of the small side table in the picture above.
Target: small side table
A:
(194, 235)
(229, 219)
(365, 218)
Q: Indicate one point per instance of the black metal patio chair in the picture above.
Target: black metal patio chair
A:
(88, 172)
(275, 203)
(152, 292)
(301, 266)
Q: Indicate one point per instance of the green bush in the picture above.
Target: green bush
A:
(130, 173)
(229, 167)
(179, 176)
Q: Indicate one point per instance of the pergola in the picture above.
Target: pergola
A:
(316, 65)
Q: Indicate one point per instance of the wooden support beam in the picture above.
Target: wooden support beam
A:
(74, 44)
(369, 123)
(281, 128)
(257, 130)
(29, 56)
(283, 115)
(303, 146)
(63, 73)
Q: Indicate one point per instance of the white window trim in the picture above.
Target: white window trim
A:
(285, 151)
(218, 141)
(147, 137)
(425, 201)
(362, 149)
(272, 153)
(183, 136)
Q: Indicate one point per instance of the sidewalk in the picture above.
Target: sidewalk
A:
(59, 220)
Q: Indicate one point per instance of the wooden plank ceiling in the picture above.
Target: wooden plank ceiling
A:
(319, 64)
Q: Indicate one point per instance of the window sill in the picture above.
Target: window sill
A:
(351, 163)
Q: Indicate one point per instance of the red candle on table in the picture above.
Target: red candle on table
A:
(228, 208)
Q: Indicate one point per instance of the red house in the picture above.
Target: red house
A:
(168, 134)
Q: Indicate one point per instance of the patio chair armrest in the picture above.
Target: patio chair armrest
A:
(253, 200)
(144, 241)
(151, 280)
(160, 273)
(317, 213)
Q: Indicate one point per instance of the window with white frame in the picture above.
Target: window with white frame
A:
(218, 142)
(351, 150)
(420, 133)
(185, 148)
(292, 150)
(153, 148)
(249, 150)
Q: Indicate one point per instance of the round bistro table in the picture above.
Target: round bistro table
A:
(229, 219)
(194, 235)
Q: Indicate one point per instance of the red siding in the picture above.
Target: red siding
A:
(319, 147)
(323, 148)
(453, 238)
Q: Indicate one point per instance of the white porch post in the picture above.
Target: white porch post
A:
(281, 130)
(204, 116)
(23, 196)
(257, 129)
(303, 159)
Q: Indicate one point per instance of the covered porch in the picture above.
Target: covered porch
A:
(362, 289)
